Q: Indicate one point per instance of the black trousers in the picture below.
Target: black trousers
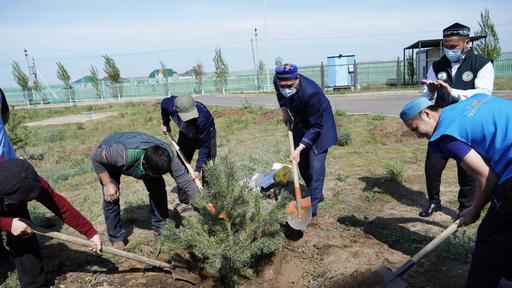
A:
(434, 166)
(492, 258)
(26, 254)
(189, 146)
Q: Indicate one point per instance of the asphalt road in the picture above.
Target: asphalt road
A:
(385, 103)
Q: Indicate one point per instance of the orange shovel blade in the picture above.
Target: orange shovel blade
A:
(213, 211)
(305, 204)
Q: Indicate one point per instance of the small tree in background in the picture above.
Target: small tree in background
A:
(490, 48)
(22, 80)
(36, 87)
(261, 74)
(18, 133)
(114, 75)
(278, 61)
(95, 81)
(165, 74)
(63, 76)
(221, 71)
(250, 227)
(411, 69)
(198, 72)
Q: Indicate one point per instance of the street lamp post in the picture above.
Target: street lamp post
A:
(266, 43)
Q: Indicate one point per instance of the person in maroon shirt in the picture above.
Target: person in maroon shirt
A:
(20, 185)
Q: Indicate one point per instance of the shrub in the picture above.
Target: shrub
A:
(395, 171)
(344, 137)
(340, 113)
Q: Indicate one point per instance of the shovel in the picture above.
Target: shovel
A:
(211, 208)
(187, 165)
(394, 279)
(299, 211)
(155, 263)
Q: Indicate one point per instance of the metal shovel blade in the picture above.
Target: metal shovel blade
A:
(391, 279)
(299, 222)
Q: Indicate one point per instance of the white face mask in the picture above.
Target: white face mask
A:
(288, 92)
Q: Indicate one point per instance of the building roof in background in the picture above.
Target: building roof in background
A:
(156, 72)
(435, 43)
(85, 79)
(187, 73)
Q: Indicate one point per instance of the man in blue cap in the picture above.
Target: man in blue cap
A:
(477, 133)
(305, 108)
(458, 75)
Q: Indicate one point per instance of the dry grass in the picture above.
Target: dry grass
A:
(356, 182)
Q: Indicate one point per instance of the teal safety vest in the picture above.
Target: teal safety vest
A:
(483, 122)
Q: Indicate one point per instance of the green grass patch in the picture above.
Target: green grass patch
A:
(395, 171)
(503, 84)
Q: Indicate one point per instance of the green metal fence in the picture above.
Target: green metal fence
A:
(366, 73)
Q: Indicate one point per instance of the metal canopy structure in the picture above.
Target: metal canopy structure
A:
(430, 43)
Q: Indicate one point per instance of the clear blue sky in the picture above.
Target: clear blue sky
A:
(137, 34)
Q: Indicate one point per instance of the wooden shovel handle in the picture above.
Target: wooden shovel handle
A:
(298, 195)
(438, 240)
(211, 208)
(187, 165)
(155, 263)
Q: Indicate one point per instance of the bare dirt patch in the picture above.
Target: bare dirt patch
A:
(394, 132)
(78, 118)
(267, 116)
(228, 112)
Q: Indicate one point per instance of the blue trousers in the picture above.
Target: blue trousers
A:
(157, 201)
(312, 170)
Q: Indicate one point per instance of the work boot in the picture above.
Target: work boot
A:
(430, 208)
(181, 207)
(119, 245)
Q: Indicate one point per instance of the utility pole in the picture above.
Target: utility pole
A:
(257, 61)
(254, 65)
(25, 52)
(266, 44)
(256, 43)
(34, 71)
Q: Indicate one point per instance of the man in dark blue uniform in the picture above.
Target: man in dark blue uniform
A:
(476, 133)
(305, 107)
(197, 129)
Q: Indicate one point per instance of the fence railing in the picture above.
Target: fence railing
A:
(383, 73)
